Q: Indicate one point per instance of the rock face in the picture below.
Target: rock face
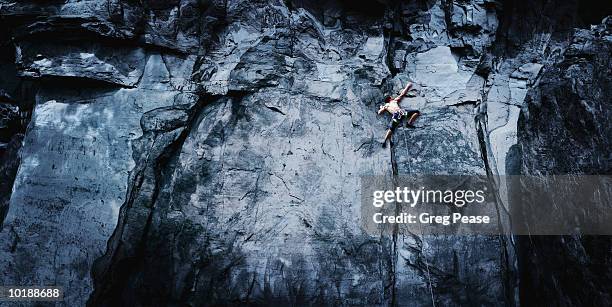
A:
(15, 105)
(209, 152)
(564, 129)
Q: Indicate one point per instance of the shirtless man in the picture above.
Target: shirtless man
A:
(397, 114)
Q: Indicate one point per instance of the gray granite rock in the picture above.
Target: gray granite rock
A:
(76, 159)
(566, 120)
(266, 182)
(209, 152)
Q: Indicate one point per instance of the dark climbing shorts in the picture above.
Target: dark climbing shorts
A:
(397, 117)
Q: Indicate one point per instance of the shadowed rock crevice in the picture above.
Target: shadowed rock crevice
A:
(155, 152)
(16, 98)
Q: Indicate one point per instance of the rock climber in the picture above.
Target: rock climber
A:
(397, 114)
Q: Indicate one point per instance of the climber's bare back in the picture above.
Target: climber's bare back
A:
(392, 106)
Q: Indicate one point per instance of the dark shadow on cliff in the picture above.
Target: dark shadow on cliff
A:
(564, 128)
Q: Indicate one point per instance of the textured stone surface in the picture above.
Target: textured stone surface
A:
(565, 120)
(209, 152)
(73, 175)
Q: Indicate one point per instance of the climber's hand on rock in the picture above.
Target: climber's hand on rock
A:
(405, 90)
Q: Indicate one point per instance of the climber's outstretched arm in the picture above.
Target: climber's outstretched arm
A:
(403, 92)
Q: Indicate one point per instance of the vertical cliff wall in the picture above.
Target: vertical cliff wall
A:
(209, 152)
(564, 129)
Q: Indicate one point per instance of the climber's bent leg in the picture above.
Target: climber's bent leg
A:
(394, 123)
(387, 135)
(412, 116)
